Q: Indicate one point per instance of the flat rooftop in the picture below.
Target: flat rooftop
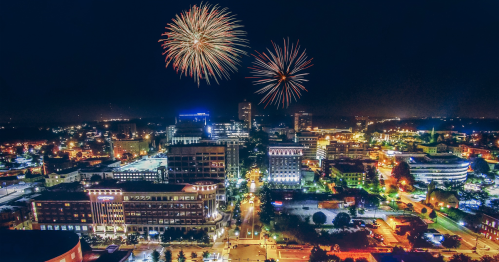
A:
(139, 186)
(62, 196)
(149, 164)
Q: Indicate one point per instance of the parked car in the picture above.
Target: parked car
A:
(378, 237)
(456, 237)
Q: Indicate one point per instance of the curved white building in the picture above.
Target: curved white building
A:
(441, 168)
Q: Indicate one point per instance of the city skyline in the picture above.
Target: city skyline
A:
(395, 59)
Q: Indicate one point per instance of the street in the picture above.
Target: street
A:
(446, 225)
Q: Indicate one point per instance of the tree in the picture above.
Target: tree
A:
(318, 255)
(461, 258)
(181, 256)
(352, 210)
(194, 255)
(433, 214)
(168, 255)
(450, 242)
(362, 259)
(155, 256)
(480, 166)
(206, 254)
(348, 259)
(95, 178)
(319, 218)
(402, 173)
(424, 210)
(397, 250)
(341, 220)
(132, 239)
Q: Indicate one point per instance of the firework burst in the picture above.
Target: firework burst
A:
(281, 73)
(204, 42)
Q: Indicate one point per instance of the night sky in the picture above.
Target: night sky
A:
(61, 59)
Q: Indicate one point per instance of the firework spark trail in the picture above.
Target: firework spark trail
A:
(280, 73)
(204, 43)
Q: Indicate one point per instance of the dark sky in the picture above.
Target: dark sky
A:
(61, 59)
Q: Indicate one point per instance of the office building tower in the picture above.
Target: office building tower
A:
(244, 110)
(190, 163)
(231, 152)
(309, 141)
(193, 118)
(303, 121)
(284, 164)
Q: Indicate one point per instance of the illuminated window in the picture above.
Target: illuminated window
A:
(39, 204)
(76, 215)
(67, 204)
(83, 220)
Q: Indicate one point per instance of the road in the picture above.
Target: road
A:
(444, 224)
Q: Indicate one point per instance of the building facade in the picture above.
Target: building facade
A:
(133, 147)
(352, 150)
(303, 121)
(489, 227)
(232, 155)
(65, 176)
(309, 141)
(189, 163)
(244, 113)
(141, 207)
(442, 168)
(284, 164)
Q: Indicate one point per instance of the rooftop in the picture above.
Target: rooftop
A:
(144, 165)
(55, 196)
(139, 186)
(349, 168)
(286, 145)
(67, 171)
(35, 245)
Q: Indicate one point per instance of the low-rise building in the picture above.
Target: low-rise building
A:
(65, 176)
(489, 227)
(404, 223)
(441, 198)
(353, 173)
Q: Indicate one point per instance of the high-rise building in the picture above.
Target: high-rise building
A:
(232, 154)
(193, 118)
(284, 164)
(352, 150)
(303, 121)
(232, 129)
(244, 110)
(190, 163)
(309, 141)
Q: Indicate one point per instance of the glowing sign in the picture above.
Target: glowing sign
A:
(105, 198)
(277, 203)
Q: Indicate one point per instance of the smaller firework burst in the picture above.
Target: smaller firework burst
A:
(281, 73)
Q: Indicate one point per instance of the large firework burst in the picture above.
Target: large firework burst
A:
(281, 73)
(204, 42)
